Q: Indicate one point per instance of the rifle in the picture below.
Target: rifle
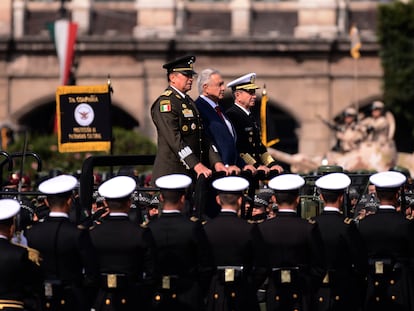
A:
(331, 126)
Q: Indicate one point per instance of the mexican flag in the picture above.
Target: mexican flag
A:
(64, 34)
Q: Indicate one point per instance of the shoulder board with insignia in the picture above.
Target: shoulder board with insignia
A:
(348, 220)
(34, 255)
(167, 93)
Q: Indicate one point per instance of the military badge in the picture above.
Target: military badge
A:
(193, 126)
(165, 106)
(188, 113)
(185, 128)
(184, 106)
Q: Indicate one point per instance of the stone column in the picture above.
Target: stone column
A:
(317, 18)
(81, 14)
(155, 18)
(240, 17)
(5, 17)
(19, 9)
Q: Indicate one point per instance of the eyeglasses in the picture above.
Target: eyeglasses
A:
(251, 92)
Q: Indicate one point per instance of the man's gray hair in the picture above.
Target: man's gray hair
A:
(204, 78)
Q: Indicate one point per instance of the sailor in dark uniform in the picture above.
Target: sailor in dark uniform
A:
(68, 260)
(388, 236)
(293, 250)
(124, 251)
(20, 275)
(234, 244)
(345, 254)
(182, 145)
(247, 130)
(182, 257)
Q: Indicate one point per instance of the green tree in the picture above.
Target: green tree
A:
(125, 142)
(396, 38)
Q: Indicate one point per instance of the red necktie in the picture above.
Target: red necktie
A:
(218, 110)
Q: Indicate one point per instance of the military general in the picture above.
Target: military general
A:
(182, 146)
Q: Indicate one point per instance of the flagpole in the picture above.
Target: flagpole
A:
(356, 95)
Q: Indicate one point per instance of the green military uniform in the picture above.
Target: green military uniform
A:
(181, 140)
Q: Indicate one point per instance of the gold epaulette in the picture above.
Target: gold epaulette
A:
(248, 158)
(194, 219)
(266, 158)
(348, 220)
(34, 255)
(166, 93)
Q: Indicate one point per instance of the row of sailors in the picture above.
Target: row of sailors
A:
(177, 263)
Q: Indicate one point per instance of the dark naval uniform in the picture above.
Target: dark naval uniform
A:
(125, 263)
(387, 235)
(234, 245)
(346, 263)
(182, 142)
(66, 253)
(248, 138)
(294, 260)
(182, 262)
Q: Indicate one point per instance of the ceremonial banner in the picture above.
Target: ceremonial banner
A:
(355, 42)
(263, 122)
(83, 118)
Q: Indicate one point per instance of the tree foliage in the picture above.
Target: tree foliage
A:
(46, 146)
(396, 38)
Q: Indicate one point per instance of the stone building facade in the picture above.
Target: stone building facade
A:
(299, 50)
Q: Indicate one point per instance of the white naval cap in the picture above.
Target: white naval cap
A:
(333, 181)
(286, 182)
(117, 187)
(173, 182)
(8, 208)
(59, 184)
(245, 82)
(390, 179)
(231, 184)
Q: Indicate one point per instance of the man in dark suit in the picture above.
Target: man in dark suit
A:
(182, 257)
(217, 126)
(20, 276)
(388, 236)
(124, 251)
(345, 254)
(292, 250)
(68, 260)
(234, 244)
(182, 145)
(249, 142)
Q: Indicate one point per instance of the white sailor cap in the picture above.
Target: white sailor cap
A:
(333, 181)
(286, 182)
(173, 182)
(117, 187)
(390, 179)
(59, 184)
(245, 82)
(8, 208)
(231, 184)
